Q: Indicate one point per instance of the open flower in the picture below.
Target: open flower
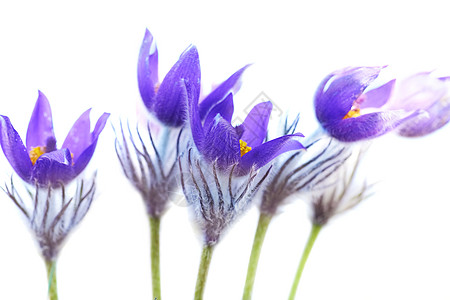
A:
(243, 146)
(40, 161)
(348, 113)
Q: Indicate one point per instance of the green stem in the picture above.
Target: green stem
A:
(263, 224)
(315, 229)
(154, 255)
(51, 276)
(203, 271)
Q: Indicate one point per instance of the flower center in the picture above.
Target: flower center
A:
(244, 147)
(36, 152)
(353, 113)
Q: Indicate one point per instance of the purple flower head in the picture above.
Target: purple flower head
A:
(349, 114)
(39, 161)
(432, 94)
(243, 146)
(168, 99)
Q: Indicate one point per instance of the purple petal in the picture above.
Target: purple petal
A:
(14, 150)
(378, 97)
(438, 116)
(231, 85)
(221, 143)
(53, 168)
(225, 108)
(148, 69)
(85, 157)
(40, 128)
(263, 154)
(365, 126)
(171, 100)
(79, 136)
(255, 124)
(418, 91)
(338, 91)
(198, 134)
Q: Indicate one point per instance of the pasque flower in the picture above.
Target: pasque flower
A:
(149, 160)
(40, 161)
(49, 203)
(220, 169)
(350, 114)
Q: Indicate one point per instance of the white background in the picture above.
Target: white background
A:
(81, 55)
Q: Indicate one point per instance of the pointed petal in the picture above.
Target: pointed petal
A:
(53, 168)
(40, 128)
(231, 85)
(221, 143)
(85, 157)
(255, 124)
(198, 134)
(148, 69)
(171, 100)
(379, 96)
(438, 116)
(14, 150)
(336, 94)
(263, 154)
(366, 126)
(79, 136)
(225, 108)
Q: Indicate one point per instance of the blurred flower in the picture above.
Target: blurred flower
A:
(432, 94)
(349, 114)
(40, 161)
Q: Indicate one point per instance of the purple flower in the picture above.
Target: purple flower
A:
(430, 92)
(168, 100)
(349, 114)
(40, 162)
(242, 146)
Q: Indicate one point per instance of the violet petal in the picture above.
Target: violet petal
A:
(85, 157)
(14, 149)
(255, 124)
(171, 100)
(148, 69)
(53, 168)
(40, 128)
(365, 126)
(379, 96)
(231, 85)
(198, 134)
(225, 108)
(79, 136)
(221, 143)
(263, 154)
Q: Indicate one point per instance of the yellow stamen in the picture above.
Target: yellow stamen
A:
(356, 112)
(156, 88)
(35, 153)
(244, 147)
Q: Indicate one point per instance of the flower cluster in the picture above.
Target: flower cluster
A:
(190, 142)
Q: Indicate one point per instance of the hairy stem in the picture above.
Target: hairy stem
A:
(51, 276)
(154, 255)
(203, 271)
(263, 224)
(315, 229)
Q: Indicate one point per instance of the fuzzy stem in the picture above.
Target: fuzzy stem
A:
(263, 224)
(154, 256)
(315, 229)
(203, 271)
(51, 276)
